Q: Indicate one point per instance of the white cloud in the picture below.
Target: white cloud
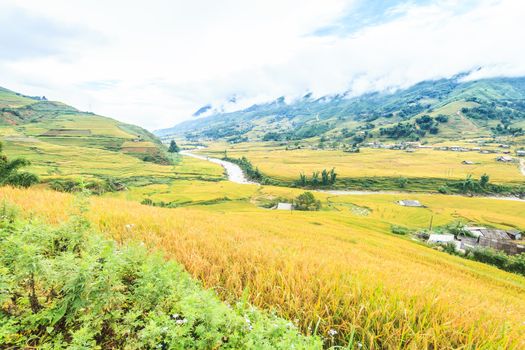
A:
(155, 63)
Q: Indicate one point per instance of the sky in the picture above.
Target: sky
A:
(154, 63)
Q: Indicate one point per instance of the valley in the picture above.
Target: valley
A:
(338, 273)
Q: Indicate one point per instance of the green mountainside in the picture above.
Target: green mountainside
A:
(61, 141)
(445, 109)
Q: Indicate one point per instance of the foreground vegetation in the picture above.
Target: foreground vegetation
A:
(338, 269)
(67, 286)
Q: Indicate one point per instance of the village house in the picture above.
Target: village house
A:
(410, 203)
(520, 153)
(479, 236)
(505, 159)
(284, 206)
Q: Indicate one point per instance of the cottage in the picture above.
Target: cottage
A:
(520, 153)
(284, 206)
(475, 231)
(410, 203)
(494, 234)
(505, 159)
(467, 162)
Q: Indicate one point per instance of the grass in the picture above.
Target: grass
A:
(286, 165)
(336, 267)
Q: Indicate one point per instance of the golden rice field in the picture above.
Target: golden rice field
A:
(336, 267)
(51, 160)
(283, 164)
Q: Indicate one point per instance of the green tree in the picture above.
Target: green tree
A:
(302, 179)
(9, 174)
(174, 148)
(333, 176)
(484, 180)
(307, 201)
(324, 177)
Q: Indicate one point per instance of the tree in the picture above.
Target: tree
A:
(9, 174)
(315, 178)
(324, 177)
(484, 180)
(333, 176)
(174, 148)
(307, 201)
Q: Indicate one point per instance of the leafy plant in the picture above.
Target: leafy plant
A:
(9, 174)
(307, 201)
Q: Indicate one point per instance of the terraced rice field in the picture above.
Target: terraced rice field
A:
(335, 269)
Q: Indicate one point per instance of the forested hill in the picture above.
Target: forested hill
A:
(439, 109)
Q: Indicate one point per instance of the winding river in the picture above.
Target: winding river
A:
(233, 171)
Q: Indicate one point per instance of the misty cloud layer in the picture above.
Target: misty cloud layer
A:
(156, 63)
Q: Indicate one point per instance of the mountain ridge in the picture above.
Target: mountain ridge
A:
(375, 115)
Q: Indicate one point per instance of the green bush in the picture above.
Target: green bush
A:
(489, 256)
(516, 264)
(67, 287)
(9, 174)
(95, 186)
(399, 230)
(306, 201)
(444, 189)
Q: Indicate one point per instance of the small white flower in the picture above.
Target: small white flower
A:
(359, 345)
(332, 332)
(181, 322)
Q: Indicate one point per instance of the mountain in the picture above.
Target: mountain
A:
(439, 109)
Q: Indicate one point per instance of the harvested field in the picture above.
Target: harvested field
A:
(67, 132)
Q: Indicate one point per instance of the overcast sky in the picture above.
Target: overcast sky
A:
(155, 62)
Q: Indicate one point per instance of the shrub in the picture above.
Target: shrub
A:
(402, 182)
(307, 201)
(9, 174)
(516, 264)
(489, 256)
(399, 230)
(444, 189)
(94, 186)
